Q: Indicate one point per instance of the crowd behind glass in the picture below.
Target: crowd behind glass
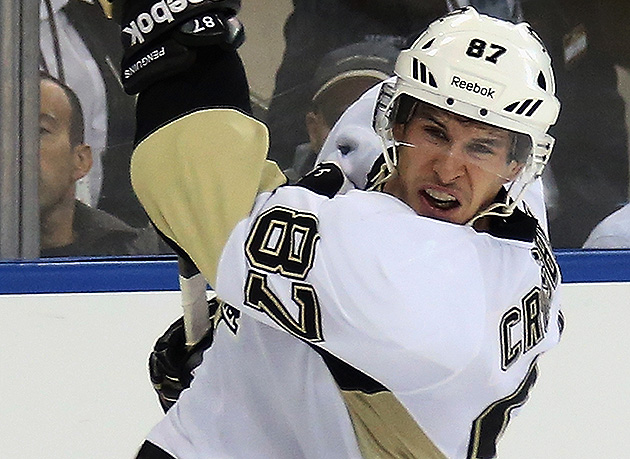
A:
(586, 185)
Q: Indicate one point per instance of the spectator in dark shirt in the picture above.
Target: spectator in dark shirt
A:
(81, 47)
(67, 226)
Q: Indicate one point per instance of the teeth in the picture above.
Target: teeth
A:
(441, 196)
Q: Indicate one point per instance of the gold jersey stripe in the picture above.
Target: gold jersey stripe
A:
(385, 429)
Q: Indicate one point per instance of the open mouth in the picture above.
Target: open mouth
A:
(440, 199)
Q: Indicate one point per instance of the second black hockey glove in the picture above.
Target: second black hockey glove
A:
(172, 362)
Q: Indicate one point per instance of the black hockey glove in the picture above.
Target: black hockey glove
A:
(172, 362)
(160, 37)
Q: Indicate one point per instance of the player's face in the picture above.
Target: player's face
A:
(61, 164)
(452, 167)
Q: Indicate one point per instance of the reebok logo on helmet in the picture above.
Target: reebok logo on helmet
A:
(163, 11)
(472, 86)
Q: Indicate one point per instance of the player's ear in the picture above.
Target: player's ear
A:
(310, 120)
(82, 160)
(317, 129)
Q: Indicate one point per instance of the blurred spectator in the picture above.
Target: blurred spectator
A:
(340, 79)
(590, 159)
(314, 28)
(67, 226)
(81, 47)
(611, 233)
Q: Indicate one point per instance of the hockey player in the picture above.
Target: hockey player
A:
(404, 321)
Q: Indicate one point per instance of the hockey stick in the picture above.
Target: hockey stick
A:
(194, 302)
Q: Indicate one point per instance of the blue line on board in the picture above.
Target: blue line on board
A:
(159, 273)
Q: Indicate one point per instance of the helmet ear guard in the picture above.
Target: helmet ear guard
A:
(383, 124)
(480, 67)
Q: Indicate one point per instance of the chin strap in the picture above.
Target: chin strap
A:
(500, 209)
(390, 155)
(497, 209)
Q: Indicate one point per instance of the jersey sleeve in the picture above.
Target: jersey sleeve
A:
(199, 175)
(201, 158)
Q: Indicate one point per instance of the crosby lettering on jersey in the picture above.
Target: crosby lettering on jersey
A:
(522, 327)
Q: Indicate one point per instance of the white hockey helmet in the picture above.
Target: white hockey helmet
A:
(484, 68)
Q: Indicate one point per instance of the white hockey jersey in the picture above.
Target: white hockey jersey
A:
(353, 327)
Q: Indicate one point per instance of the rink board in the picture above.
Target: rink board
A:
(76, 335)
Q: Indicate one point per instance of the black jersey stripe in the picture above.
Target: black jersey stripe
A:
(348, 377)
